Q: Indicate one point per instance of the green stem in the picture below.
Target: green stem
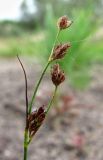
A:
(25, 152)
(50, 57)
(25, 144)
(52, 100)
(37, 86)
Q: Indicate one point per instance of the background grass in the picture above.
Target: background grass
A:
(86, 49)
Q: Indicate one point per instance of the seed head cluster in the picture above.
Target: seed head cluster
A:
(57, 75)
(64, 22)
(35, 120)
(60, 51)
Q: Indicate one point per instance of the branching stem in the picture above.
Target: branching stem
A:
(52, 100)
(37, 86)
(58, 32)
(42, 75)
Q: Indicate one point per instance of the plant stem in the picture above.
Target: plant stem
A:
(26, 90)
(25, 144)
(58, 32)
(37, 86)
(25, 153)
(52, 100)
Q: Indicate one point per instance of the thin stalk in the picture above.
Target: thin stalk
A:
(25, 144)
(25, 153)
(26, 90)
(37, 86)
(42, 75)
(52, 100)
(26, 119)
(54, 44)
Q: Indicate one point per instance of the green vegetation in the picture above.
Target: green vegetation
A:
(85, 48)
(26, 44)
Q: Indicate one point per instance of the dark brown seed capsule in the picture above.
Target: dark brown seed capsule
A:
(64, 22)
(57, 75)
(32, 116)
(41, 117)
(35, 120)
(40, 110)
(60, 51)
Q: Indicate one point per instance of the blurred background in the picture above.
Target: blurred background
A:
(74, 127)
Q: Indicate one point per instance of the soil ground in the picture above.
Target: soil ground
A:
(76, 134)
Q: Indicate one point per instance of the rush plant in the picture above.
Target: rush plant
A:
(34, 119)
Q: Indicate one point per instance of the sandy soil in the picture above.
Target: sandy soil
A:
(72, 135)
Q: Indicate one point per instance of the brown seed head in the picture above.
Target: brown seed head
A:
(40, 110)
(64, 22)
(35, 120)
(60, 51)
(41, 118)
(32, 116)
(57, 75)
